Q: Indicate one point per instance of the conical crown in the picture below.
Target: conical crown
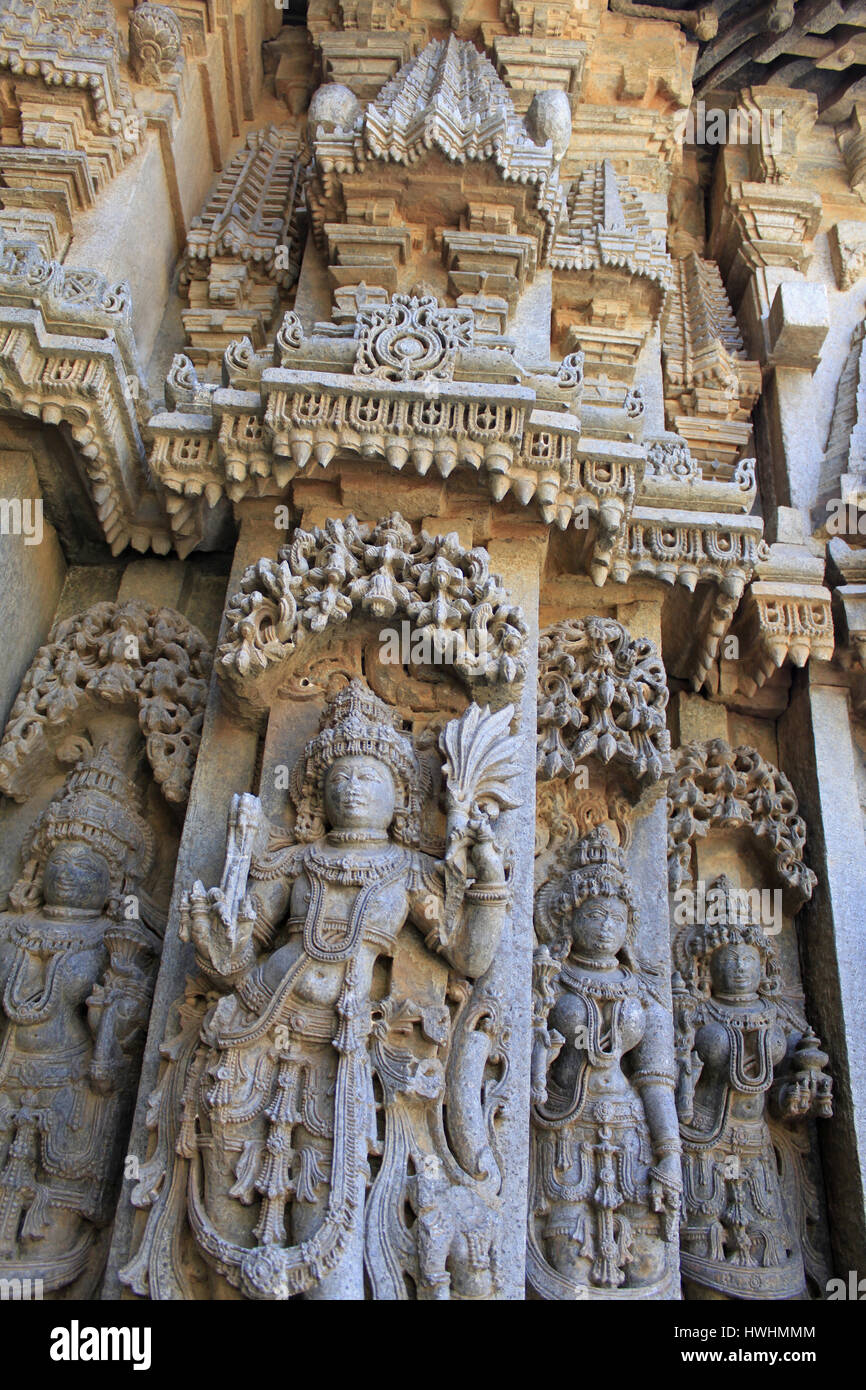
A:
(99, 807)
(357, 722)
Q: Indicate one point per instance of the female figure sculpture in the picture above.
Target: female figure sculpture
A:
(279, 1110)
(605, 1170)
(76, 977)
(746, 1060)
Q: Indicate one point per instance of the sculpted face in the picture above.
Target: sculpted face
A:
(359, 794)
(76, 876)
(735, 969)
(599, 926)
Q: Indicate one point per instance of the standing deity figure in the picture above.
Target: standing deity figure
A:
(76, 973)
(304, 1043)
(605, 1168)
(750, 1068)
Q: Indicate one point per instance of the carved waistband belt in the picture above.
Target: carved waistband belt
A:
(337, 930)
(730, 1140)
(317, 1022)
(787, 1280)
(31, 1069)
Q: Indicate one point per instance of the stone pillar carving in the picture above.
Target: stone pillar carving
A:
(227, 751)
(349, 964)
(751, 1072)
(605, 1168)
(818, 744)
(81, 936)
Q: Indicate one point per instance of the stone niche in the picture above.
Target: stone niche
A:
(356, 957)
(98, 753)
(752, 1075)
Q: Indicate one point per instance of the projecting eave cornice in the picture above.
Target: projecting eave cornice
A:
(68, 358)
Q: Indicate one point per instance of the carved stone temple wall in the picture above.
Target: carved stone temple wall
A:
(433, 675)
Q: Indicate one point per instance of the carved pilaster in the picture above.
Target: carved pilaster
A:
(380, 850)
(605, 1167)
(81, 936)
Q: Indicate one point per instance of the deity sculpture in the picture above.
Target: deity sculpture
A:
(317, 1067)
(605, 1170)
(750, 1070)
(76, 973)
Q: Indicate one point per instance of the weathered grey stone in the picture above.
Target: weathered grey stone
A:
(333, 107)
(489, 475)
(798, 324)
(549, 118)
(816, 743)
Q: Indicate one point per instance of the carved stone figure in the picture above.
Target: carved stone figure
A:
(456, 1232)
(76, 970)
(750, 1070)
(605, 1169)
(305, 1061)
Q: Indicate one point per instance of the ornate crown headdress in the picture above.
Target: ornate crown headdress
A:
(599, 870)
(598, 852)
(99, 806)
(730, 919)
(357, 723)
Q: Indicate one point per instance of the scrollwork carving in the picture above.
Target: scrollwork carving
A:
(602, 694)
(715, 785)
(325, 574)
(110, 657)
(155, 43)
(412, 339)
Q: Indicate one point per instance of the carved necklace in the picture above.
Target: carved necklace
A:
(758, 1021)
(356, 837)
(334, 938)
(589, 987)
(33, 941)
(49, 941)
(348, 871)
(603, 1044)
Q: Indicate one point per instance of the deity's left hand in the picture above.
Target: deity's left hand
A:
(797, 1095)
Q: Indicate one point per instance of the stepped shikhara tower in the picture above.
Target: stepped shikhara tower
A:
(432, 755)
